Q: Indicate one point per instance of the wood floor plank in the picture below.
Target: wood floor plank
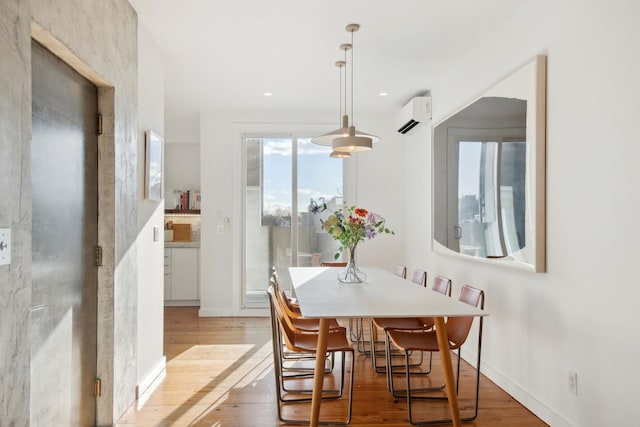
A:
(220, 373)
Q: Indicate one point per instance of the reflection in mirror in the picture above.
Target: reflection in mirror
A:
(488, 182)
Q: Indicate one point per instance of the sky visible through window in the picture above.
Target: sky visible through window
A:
(469, 157)
(318, 174)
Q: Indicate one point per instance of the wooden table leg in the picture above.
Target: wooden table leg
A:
(449, 381)
(318, 376)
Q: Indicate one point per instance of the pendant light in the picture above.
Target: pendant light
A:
(347, 139)
(344, 118)
(356, 141)
(327, 138)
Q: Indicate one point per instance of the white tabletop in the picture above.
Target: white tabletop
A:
(384, 294)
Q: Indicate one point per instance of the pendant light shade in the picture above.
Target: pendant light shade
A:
(327, 138)
(352, 143)
(346, 139)
(339, 155)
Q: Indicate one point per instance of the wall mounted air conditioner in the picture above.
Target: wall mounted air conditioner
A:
(417, 111)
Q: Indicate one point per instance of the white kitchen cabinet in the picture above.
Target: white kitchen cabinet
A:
(167, 274)
(181, 277)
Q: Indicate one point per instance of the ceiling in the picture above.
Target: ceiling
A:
(224, 55)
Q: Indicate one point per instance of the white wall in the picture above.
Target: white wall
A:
(582, 314)
(182, 128)
(372, 180)
(182, 169)
(150, 357)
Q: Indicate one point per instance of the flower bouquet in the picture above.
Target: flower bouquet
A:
(350, 226)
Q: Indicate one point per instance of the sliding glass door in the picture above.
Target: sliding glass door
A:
(285, 177)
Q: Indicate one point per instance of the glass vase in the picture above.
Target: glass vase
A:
(351, 273)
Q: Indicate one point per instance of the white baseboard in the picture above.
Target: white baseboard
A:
(182, 303)
(151, 376)
(223, 312)
(540, 409)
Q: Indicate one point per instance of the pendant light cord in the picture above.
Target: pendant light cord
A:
(345, 83)
(340, 96)
(352, 49)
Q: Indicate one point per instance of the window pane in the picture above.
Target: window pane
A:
(272, 209)
(319, 181)
(513, 167)
(470, 173)
(491, 178)
(267, 213)
(276, 182)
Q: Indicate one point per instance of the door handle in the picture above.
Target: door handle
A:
(457, 232)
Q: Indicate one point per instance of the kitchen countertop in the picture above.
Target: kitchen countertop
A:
(174, 244)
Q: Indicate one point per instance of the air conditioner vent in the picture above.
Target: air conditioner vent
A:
(417, 111)
(408, 126)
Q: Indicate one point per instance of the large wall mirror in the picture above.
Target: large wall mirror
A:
(489, 173)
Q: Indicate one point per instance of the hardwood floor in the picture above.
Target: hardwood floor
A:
(220, 373)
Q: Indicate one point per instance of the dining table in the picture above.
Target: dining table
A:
(383, 294)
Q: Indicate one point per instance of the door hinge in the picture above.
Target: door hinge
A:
(98, 256)
(97, 387)
(99, 124)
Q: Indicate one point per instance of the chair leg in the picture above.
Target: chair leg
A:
(477, 388)
(390, 371)
(384, 353)
(342, 381)
(334, 393)
(361, 341)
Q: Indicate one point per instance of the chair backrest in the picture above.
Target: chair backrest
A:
(283, 321)
(458, 327)
(420, 278)
(442, 285)
(282, 298)
(401, 271)
(333, 264)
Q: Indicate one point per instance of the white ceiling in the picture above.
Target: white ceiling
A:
(223, 55)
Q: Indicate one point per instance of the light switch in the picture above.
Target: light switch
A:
(156, 233)
(5, 246)
(220, 229)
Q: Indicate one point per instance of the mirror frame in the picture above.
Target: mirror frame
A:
(526, 82)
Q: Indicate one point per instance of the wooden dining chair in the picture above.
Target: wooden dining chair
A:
(288, 365)
(333, 264)
(306, 343)
(300, 323)
(458, 330)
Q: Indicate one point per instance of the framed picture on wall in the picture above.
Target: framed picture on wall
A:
(153, 166)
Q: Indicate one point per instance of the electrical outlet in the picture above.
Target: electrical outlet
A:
(572, 382)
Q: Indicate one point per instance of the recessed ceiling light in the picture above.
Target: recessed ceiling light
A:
(383, 93)
(268, 94)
